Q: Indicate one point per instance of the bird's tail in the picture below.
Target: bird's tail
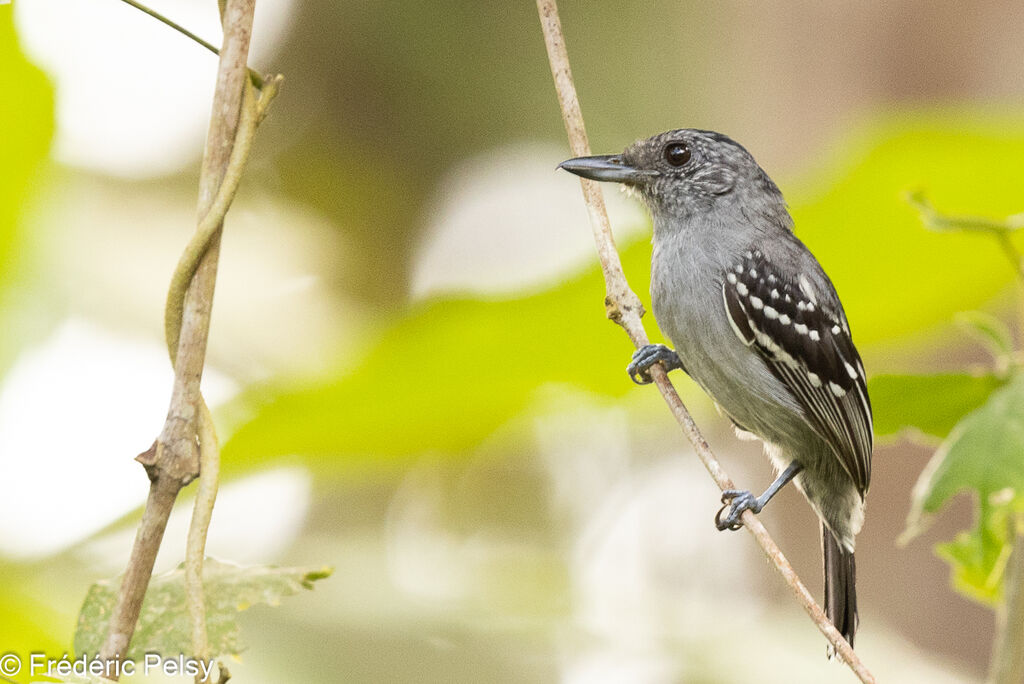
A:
(840, 589)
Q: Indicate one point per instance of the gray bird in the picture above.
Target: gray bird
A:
(758, 325)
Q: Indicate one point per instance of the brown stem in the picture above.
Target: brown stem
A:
(624, 308)
(172, 462)
(162, 493)
(1007, 666)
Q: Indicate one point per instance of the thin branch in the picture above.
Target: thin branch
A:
(1007, 666)
(623, 307)
(173, 461)
(1000, 230)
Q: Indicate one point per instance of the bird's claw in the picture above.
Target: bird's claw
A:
(647, 356)
(737, 501)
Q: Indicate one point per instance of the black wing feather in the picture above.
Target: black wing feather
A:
(808, 347)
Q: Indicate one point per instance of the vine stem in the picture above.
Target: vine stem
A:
(624, 308)
(1007, 664)
(173, 460)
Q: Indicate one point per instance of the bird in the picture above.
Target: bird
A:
(758, 325)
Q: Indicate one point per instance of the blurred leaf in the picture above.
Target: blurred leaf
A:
(984, 454)
(164, 625)
(26, 123)
(441, 379)
(932, 404)
(448, 372)
(26, 624)
(896, 279)
(978, 557)
(991, 332)
(82, 679)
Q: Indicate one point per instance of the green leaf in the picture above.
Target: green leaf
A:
(984, 454)
(26, 124)
(978, 557)
(991, 332)
(931, 404)
(28, 624)
(83, 679)
(855, 219)
(441, 379)
(163, 625)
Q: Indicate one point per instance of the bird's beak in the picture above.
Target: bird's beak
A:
(606, 167)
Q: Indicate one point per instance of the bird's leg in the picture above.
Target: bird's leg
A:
(647, 356)
(739, 500)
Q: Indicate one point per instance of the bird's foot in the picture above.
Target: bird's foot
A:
(647, 356)
(737, 501)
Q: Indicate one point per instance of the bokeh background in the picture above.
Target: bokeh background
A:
(409, 363)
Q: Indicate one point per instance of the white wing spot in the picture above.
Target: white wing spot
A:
(810, 307)
(771, 278)
(750, 255)
(756, 302)
(738, 268)
(814, 335)
(801, 306)
(784, 319)
(836, 389)
(753, 273)
(800, 328)
(851, 371)
(731, 277)
(742, 289)
(836, 330)
(732, 323)
(789, 299)
(771, 313)
(805, 287)
(815, 380)
(775, 293)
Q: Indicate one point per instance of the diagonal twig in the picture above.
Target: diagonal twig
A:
(624, 308)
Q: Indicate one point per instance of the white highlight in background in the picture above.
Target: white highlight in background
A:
(74, 411)
(508, 220)
(133, 95)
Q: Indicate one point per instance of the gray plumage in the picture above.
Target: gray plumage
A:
(758, 325)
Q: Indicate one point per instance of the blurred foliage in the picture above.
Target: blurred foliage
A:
(379, 112)
(25, 623)
(992, 334)
(931, 404)
(27, 124)
(450, 90)
(983, 416)
(470, 365)
(895, 278)
(164, 625)
(983, 455)
(441, 379)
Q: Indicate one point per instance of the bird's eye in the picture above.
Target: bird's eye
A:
(677, 153)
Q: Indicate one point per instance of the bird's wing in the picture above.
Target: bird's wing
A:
(807, 345)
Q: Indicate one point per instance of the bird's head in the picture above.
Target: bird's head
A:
(683, 172)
